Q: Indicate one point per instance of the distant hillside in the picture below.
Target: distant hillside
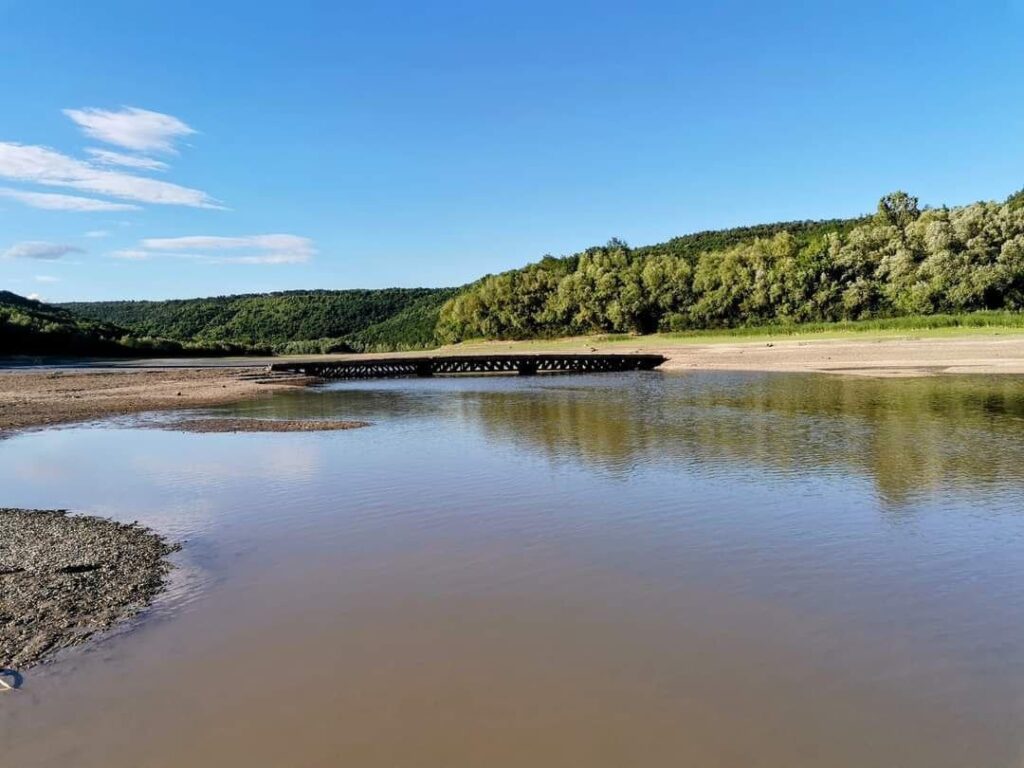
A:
(415, 327)
(289, 321)
(30, 327)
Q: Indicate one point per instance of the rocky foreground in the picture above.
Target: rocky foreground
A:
(64, 578)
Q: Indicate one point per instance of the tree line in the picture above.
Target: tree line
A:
(901, 261)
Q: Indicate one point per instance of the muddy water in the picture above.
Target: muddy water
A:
(646, 569)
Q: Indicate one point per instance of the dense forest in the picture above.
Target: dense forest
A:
(290, 322)
(901, 261)
(29, 327)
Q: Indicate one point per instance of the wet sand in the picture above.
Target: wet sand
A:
(64, 578)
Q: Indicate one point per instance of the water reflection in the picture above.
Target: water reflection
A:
(908, 437)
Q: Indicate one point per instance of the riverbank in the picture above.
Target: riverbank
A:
(871, 357)
(31, 399)
(64, 578)
(876, 355)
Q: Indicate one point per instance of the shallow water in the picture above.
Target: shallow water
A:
(642, 569)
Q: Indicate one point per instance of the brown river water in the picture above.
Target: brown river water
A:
(621, 570)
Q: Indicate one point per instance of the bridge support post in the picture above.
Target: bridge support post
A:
(424, 369)
(526, 367)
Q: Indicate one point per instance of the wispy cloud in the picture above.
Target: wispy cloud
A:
(55, 202)
(95, 233)
(41, 165)
(248, 249)
(132, 128)
(106, 157)
(131, 254)
(47, 279)
(39, 250)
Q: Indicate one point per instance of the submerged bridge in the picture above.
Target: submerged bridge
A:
(526, 365)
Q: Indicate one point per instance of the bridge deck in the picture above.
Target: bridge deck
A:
(440, 365)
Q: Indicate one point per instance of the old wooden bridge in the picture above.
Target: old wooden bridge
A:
(441, 365)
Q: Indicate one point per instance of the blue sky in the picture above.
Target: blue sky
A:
(338, 145)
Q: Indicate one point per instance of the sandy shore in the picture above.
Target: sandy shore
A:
(860, 356)
(37, 398)
(875, 357)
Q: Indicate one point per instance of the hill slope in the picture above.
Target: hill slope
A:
(30, 327)
(289, 321)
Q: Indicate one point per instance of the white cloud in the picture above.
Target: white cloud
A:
(47, 279)
(39, 250)
(54, 202)
(131, 128)
(106, 157)
(130, 254)
(269, 258)
(41, 165)
(34, 297)
(94, 233)
(249, 249)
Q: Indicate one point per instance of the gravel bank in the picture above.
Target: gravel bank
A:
(258, 425)
(63, 578)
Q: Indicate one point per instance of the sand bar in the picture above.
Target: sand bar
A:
(44, 398)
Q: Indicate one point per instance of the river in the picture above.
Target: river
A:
(647, 569)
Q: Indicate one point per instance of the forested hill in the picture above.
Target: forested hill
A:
(32, 328)
(303, 322)
(901, 261)
(289, 321)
